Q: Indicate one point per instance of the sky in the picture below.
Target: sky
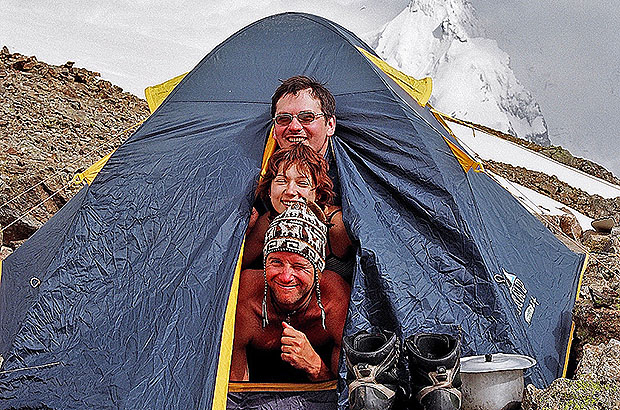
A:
(565, 52)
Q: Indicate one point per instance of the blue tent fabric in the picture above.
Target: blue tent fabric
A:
(130, 309)
(20, 271)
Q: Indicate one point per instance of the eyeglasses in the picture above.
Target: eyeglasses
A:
(304, 117)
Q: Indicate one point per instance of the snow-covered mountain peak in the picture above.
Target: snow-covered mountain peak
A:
(472, 78)
(452, 17)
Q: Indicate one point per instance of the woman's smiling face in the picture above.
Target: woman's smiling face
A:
(290, 185)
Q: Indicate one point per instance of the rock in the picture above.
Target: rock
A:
(597, 241)
(596, 324)
(603, 224)
(4, 252)
(559, 154)
(600, 363)
(549, 188)
(603, 296)
(570, 226)
(565, 394)
(615, 239)
(597, 383)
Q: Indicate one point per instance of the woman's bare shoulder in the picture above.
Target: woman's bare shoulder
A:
(250, 280)
(334, 284)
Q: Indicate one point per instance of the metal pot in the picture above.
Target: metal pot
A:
(493, 382)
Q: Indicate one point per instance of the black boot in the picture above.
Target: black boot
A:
(371, 370)
(435, 367)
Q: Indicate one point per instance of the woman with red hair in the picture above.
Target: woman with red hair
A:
(294, 173)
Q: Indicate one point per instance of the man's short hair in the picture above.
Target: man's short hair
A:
(298, 83)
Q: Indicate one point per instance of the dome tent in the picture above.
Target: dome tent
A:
(135, 289)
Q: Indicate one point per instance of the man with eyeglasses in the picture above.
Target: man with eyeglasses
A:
(303, 111)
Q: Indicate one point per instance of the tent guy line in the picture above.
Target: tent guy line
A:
(19, 218)
(64, 167)
(42, 366)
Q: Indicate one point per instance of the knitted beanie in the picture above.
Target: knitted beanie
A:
(299, 229)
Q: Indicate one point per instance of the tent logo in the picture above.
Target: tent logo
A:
(518, 294)
(517, 289)
(529, 310)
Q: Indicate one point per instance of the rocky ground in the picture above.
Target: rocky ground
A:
(55, 121)
(594, 367)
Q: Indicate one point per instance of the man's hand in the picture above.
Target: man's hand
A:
(299, 353)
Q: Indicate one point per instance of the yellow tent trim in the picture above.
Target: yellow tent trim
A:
(279, 387)
(464, 159)
(572, 328)
(92, 171)
(220, 394)
(156, 94)
(419, 90)
(270, 148)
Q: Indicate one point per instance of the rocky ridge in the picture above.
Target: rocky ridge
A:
(55, 121)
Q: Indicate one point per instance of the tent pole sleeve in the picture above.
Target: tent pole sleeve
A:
(572, 328)
(270, 148)
(220, 395)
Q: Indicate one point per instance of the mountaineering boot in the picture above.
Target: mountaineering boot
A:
(435, 367)
(371, 369)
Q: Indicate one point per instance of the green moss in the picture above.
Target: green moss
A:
(584, 394)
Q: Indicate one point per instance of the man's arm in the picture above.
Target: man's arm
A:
(239, 364)
(339, 240)
(254, 240)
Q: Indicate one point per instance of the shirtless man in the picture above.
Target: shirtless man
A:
(290, 316)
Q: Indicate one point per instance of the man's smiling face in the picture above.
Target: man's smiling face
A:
(290, 277)
(314, 134)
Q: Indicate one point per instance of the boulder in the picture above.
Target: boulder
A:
(570, 226)
(603, 224)
(4, 252)
(596, 324)
(600, 363)
(597, 242)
